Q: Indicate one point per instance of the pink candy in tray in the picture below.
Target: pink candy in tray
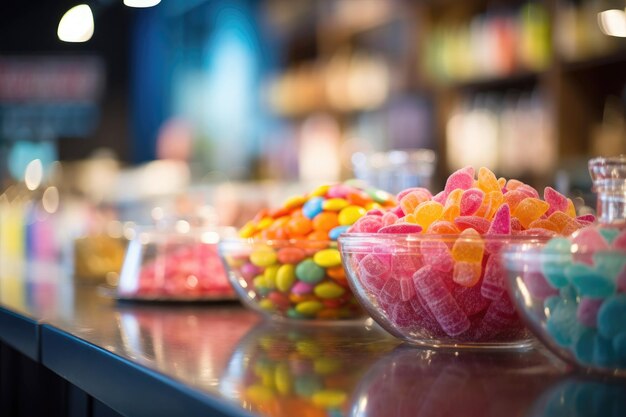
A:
(429, 270)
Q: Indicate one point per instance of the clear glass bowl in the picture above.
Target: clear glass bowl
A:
(573, 299)
(290, 279)
(175, 265)
(408, 283)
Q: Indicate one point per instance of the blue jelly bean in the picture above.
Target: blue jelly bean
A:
(619, 346)
(609, 234)
(603, 353)
(589, 282)
(556, 255)
(313, 207)
(336, 231)
(551, 303)
(568, 293)
(612, 316)
(584, 345)
(562, 324)
(609, 263)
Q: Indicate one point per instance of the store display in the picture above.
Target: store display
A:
(287, 264)
(571, 291)
(444, 285)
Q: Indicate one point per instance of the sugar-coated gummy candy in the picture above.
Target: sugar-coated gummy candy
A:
(612, 316)
(588, 281)
(562, 324)
(461, 179)
(588, 240)
(477, 223)
(367, 224)
(556, 200)
(428, 212)
(492, 286)
(487, 181)
(401, 228)
(436, 254)
(374, 266)
(538, 286)
(556, 256)
(389, 218)
(471, 200)
(470, 299)
(443, 227)
(529, 210)
(587, 312)
(469, 247)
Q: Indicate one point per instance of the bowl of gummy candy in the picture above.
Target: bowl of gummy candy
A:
(429, 270)
(286, 264)
(572, 290)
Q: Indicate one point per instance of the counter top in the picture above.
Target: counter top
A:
(220, 359)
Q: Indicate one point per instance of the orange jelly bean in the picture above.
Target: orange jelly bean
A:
(326, 220)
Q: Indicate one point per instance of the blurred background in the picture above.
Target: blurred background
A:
(113, 116)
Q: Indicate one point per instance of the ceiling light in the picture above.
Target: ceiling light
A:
(613, 22)
(76, 25)
(141, 3)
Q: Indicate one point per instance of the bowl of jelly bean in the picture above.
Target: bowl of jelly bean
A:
(429, 270)
(572, 291)
(286, 263)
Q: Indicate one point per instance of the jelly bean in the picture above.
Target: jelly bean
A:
(442, 227)
(309, 308)
(401, 228)
(587, 312)
(350, 214)
(529, 210)
(612, 316)
(247, 230)
(379, 196)
(462, 179)
(307, 384)
(285, 277)
(313, 207)
(328, 290)
(249, 271)
(290, 255)
(335, 232)
(270, 275)
(299, 226)
(263, 256)
(292, 313)
(358, 198)
(302, 288)
(329, 398)
(556, 200)
(477, 223)
(467, 274)
(309, 271)
(471, 200)
(279, 299)
(427, 213)
(447, 312)
(326, 221)
(336, 273)
(327, 258)
(338, 191)
(335, 204)
(487, 181)
(264, 223)
(589, 282)
(266, 304)
(492, 286)
(294, 201)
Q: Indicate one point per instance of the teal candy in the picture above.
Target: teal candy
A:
(555, 256)
(609, 263)
(603, 353)
(336, 231)
(551, 303)
(568, 293)
(313, 207)
(619, 346)
(609, 234)
(309, 271)
(292, 313)
(562, 324)
(307, 385)
(584, 345)
(612, 316)
(589, 282)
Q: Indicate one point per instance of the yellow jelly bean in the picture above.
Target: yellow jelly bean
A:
(259, 394)
(263, 257)
(295, 201)
(270, 275)
(260, 282)
(329, 398)
(266, 305)
(319, 191)
(326, 366)
(282, 378)
(264, 223)
(349, 215)
(308, 348)
(327, 258)
(329, 290)
(372, 206)
(247, 230)
(285, 277)
(335, 204)
(309, 308)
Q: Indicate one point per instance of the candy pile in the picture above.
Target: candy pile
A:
(581, 285)
(292, 266)
(190, 271)
(448, 281)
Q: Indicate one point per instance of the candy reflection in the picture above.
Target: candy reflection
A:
(287, 370)
(426, 383)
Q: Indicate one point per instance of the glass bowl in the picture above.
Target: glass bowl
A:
(290, 279)
(412, 286)
(175, 265)
(573, 299)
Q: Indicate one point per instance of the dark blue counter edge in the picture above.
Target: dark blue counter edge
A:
(127, 387)
(20, 332)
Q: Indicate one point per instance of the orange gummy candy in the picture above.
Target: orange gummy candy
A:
(469, 247)
(544, 224)
(412, 200)
(428, 212)
(487, 181)
(529, 210)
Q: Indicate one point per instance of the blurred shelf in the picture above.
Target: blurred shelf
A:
(521, 79)
(617, 57)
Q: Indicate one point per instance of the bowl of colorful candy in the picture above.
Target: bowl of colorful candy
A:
(286, 264)
(429, 271)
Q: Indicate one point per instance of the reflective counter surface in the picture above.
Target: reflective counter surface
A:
(229, 354)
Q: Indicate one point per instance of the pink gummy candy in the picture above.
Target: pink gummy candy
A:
(528, 190)
(480, 224)
(501, 223)
(441, 197)
(513, 198)
(535, 231)
(436, 254)
(398, 211)
(374, 212)
(389, 218)
(463, 179)
(402, 314)
(538, 286)
(467, 274)
(557, 201)
(390, 293)
(587, 312)
(440, 302)
(367, 224)
(500, 317)
(586, 218)
(516, 225)
(492, 286)
(589, 240)
(470, 299)
(404, 265)
(407, 289)
(401, 228)
(471, 200)
(620, 241)
(374, 265)
(424, 191)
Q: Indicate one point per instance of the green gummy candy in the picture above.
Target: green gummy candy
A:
(556, 255)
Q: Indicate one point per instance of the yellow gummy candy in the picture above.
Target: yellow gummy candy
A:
(487, 181)
(454, 198)
(571, 210)
(529, 210)
(428, 212)
(469, 247)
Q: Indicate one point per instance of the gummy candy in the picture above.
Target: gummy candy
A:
(530, 209)
(471, 200)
